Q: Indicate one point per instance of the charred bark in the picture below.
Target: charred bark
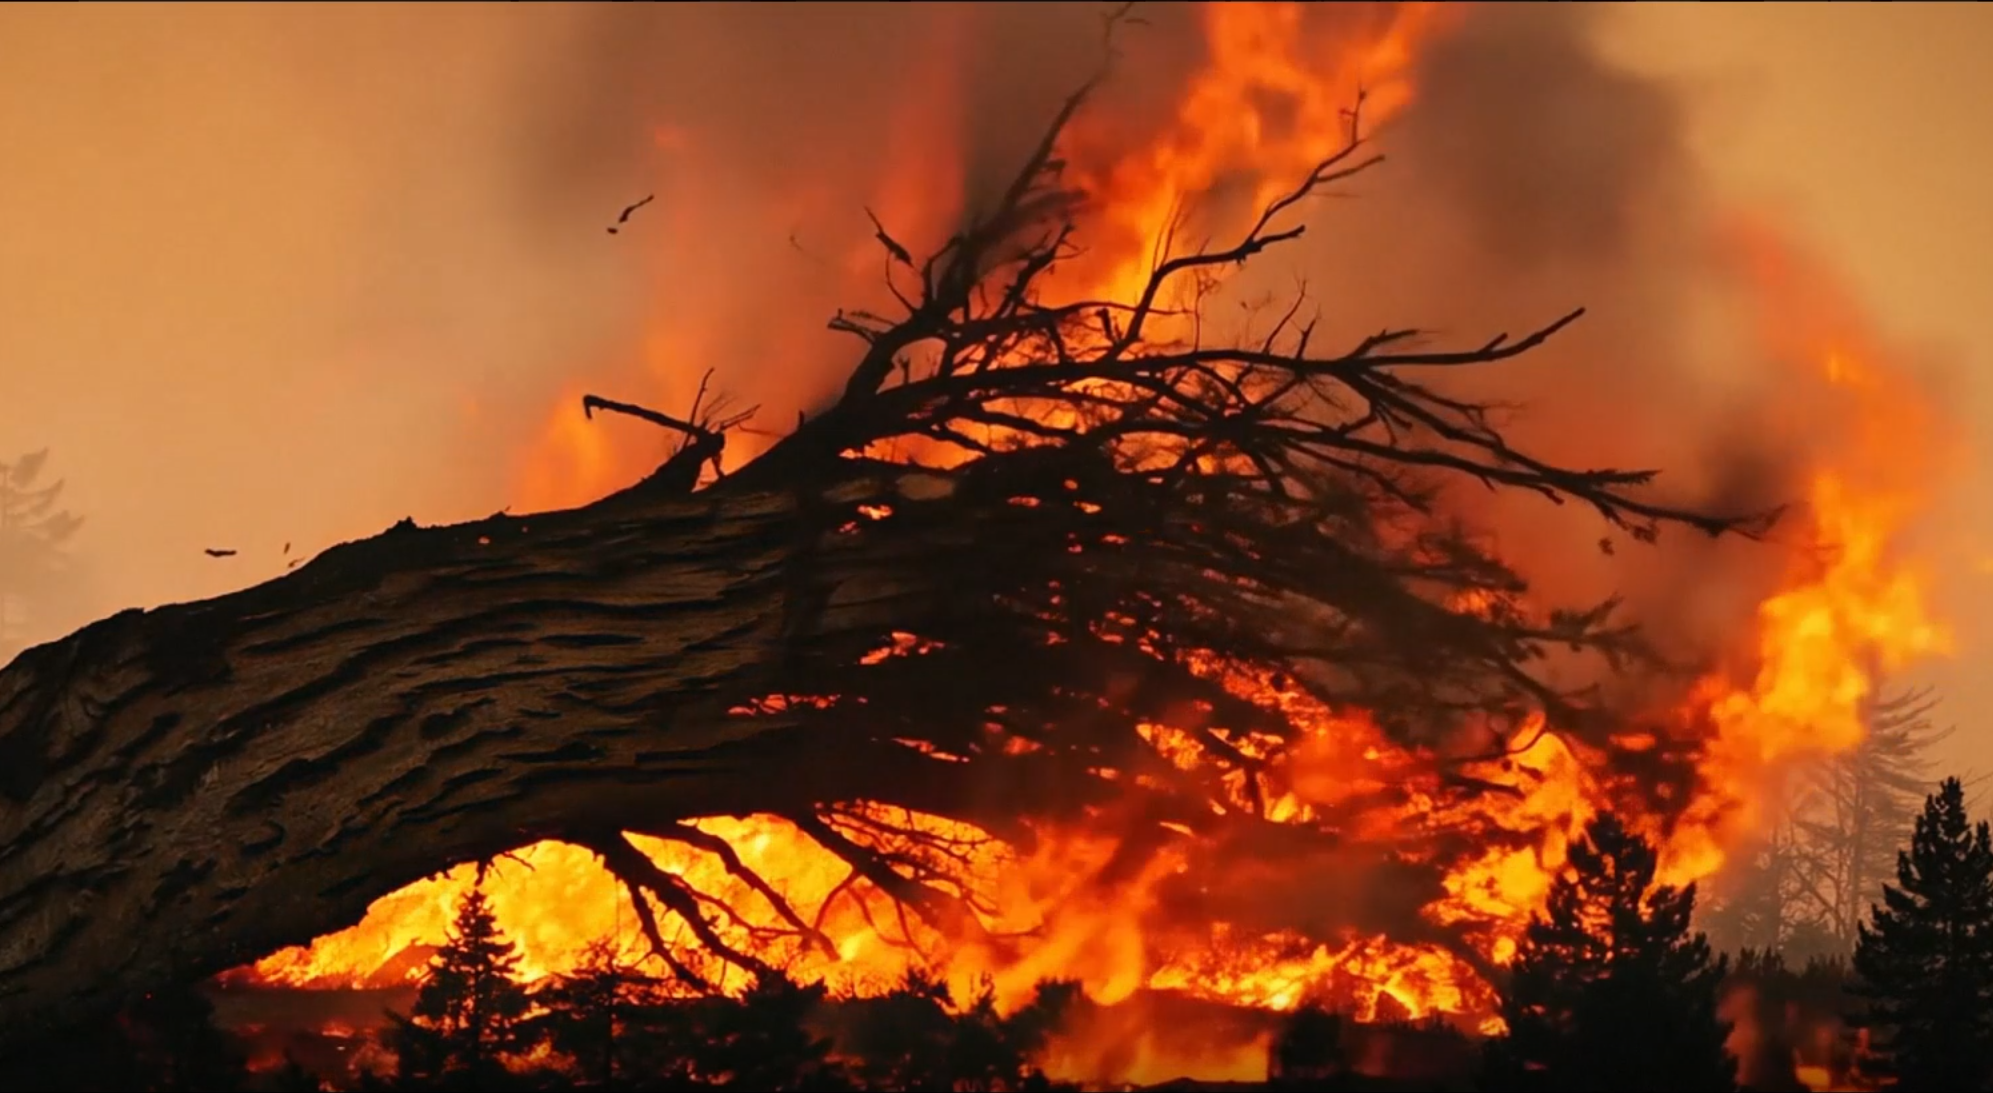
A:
(186, 789)
(195, 786)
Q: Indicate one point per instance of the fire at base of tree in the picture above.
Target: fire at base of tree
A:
(1610, 990)
(1070, 569)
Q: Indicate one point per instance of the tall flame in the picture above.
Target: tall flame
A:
(1851, 607)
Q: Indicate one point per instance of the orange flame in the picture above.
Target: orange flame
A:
(1851, 608)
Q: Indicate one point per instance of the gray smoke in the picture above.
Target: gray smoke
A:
(372, 238)
(1533, 176)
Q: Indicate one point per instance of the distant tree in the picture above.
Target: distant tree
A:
(470, 1011)
(1766, 904)
(32, 535)
(763, 1040)
(1807, 886)
(1052, 1007)
(1308, 1053)
(1924, 962)
(1871, 798)
(582, 1016)
(1609, 990)
(919, 1037)
(619, 1028)
(292, 1077)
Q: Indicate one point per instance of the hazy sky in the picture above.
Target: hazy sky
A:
(1867, 124)
(285, 274)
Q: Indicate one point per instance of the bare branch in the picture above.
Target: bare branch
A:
(592, 403)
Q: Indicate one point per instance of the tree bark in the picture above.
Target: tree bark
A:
(186, 789)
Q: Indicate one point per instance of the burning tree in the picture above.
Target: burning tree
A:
(1033, 528)
(1609, 989)
(1822, 866)
(1872, 796)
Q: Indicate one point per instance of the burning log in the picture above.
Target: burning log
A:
(1101, 502)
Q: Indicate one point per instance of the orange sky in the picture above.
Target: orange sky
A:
(1867, 125)
(277, 274)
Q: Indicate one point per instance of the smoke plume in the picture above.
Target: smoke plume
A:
(321, 268)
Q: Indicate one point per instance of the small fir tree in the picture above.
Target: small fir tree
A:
(470, 1012)
(1923, 964)
(1609, 989)
(764, 1041)
(616, 1027)
(1308, 1053)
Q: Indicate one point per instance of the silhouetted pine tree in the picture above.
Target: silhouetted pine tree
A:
(1609, 990)
(762, 1041)
(470, 1012)
(1308, 1053)
(1924, 962)
(619, 1028)
(918, 1038)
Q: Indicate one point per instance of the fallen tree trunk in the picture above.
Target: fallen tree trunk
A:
(195, 786)
(190, 788)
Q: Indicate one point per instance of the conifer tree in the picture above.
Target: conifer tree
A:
(764, 1041)
(1871, 798)
(470, 1012)
(617, 1027)
(1924, 962)
(1609, 989)
(1308, 1053)
(919, 1037)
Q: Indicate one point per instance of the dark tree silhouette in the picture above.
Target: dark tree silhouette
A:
(763, 1040)
(32, 535)
(622, 1029)
(1871, 796)
(1131, 486)
(1609, 989)
(165, 1041)
(470, 1013)
(291, 1077)
(917, 1037)
(1308, 1053)
(179, 1045)
(596, 1017)
(1764, 991)
(1924, 961)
